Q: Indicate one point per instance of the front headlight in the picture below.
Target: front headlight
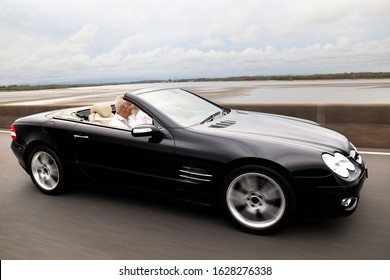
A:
(338, 164)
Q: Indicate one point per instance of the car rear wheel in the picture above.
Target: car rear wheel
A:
(46, 170)
(258, 199)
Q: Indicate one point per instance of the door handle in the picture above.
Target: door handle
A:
(80, 136)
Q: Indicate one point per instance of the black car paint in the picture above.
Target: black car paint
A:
(291, 146)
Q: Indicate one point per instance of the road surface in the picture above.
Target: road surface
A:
(96, 224)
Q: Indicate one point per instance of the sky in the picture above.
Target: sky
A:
(57, 41)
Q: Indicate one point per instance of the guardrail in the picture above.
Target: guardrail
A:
(366, 126)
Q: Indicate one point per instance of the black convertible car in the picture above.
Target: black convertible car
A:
(261, 169)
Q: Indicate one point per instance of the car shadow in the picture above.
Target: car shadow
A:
(209, 214)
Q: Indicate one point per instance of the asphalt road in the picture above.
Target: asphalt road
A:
(95, 224)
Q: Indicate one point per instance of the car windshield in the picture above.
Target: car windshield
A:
(184, 108)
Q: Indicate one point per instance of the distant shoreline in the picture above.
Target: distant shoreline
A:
(339, 76)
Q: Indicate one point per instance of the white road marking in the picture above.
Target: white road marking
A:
(374, 153)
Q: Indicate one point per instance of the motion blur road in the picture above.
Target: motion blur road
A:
(96, 224)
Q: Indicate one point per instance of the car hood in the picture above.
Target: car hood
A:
(277, 129)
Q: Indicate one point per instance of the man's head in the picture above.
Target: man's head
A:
(123, 107)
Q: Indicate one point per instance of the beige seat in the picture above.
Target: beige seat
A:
(101, 113)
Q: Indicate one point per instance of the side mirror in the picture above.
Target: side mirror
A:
(147, 130)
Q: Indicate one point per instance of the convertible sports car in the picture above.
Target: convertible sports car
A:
(261, 169)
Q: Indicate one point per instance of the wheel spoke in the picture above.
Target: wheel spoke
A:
(237, 198)
(51, 182)
(270, 212)
(270, 192)
(44, 158)
(247, 183)
(250, 210)
(55, 174)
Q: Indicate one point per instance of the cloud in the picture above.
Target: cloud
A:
(188, 63)
(211, 43)
(72, 41)
(76, 44)
(4, 11)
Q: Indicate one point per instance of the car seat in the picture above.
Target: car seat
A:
(101, 113)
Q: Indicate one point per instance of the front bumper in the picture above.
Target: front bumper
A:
(331, 196)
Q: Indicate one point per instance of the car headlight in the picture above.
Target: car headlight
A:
(338, 164)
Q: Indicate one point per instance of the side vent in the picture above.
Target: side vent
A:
(222, 124)
(195, 175)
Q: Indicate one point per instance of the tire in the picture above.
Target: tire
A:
(46, 171)
(258, 199)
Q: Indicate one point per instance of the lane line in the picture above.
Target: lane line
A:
(374, 153)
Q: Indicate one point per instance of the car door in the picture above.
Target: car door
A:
(112, 155)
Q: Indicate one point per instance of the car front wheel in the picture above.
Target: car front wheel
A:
(46, 170)
(258, 199)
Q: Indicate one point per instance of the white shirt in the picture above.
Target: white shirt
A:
(140, 118)
(120, 121)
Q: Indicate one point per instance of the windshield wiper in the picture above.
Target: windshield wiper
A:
(211, 117)
(225, 111)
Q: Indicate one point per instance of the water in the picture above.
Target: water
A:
(264, 92)
(304, 92)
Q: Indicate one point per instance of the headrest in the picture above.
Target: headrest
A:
(103, 109)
